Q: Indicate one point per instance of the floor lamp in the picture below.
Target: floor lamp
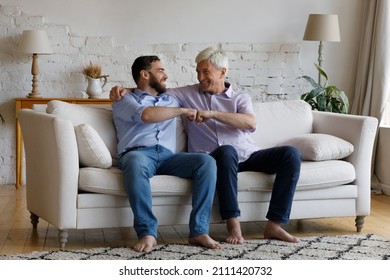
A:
(322, 27)
(35, 42)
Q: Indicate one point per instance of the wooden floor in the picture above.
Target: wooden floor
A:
(17, 236)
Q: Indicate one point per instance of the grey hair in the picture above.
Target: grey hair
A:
(215, 56)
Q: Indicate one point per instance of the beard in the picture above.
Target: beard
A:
(158, 86)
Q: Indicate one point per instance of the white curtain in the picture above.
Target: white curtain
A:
(372, 84)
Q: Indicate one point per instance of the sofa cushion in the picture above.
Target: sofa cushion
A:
(181, 136)
(92, 150)
(99, 117)
(317, 146)
(111, 181)
(282, 120)
(314, 175)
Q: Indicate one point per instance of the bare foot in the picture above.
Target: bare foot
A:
(273, 230)
(145, 244)
(204, 240)
(234, 232)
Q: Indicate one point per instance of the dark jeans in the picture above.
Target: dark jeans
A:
(226, 188)
(285, 163)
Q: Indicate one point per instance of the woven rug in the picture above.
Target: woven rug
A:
(342, 247)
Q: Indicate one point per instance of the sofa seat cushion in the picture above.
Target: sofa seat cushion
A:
(111, 181)
(314, 175)
(325, 174)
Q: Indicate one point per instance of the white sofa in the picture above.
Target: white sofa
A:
(334, 181)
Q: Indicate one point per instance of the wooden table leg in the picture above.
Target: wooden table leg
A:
(19, 155)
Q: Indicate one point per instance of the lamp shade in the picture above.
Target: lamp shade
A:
(322, 27)
(35, 42)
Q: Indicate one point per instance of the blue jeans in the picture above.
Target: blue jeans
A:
(227, 166)
(140, 164)
(285, 162)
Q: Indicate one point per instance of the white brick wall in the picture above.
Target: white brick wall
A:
(267, 72)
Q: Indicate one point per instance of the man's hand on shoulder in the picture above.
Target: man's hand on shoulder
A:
(117, 92)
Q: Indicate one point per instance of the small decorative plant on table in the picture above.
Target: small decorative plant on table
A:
(324, 97)
(96, 81)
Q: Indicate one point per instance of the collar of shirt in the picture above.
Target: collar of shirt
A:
(142, 94)
(228, 90)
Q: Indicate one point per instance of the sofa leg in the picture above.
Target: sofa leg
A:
(62, 237)
(34, 220)
(359, 221)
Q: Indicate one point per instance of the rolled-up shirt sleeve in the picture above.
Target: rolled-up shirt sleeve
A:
(128, 108)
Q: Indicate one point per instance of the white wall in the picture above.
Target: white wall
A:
(263, 39)
(173, 21)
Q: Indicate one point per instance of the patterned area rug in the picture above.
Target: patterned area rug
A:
(343, 247)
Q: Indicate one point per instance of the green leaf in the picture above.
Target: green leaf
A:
(314, 93)
(322, 73)
(313, 83)
(321, 101)
(345, 100)
(325, 98)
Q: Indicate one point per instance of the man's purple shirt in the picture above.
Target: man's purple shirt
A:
(207, 136)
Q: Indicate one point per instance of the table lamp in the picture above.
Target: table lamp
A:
(322, 27)
(35, 42)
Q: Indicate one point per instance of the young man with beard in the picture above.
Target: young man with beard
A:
(224, 120)
(146, 131)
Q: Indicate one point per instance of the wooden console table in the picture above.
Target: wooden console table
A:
(22, 103)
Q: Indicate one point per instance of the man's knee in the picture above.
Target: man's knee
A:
(209, 161)
(294, 153)
(225, 153)
(229, 150)
(135, 162)
(294, 158)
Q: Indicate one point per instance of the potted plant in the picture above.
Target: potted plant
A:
(96, 81)
(328, 98)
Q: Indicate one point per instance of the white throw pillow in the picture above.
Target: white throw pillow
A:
(98, 116)
(318, 147)
(92, 150)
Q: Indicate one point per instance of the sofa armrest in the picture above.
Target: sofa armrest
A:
(360, 131)
(52, 167)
